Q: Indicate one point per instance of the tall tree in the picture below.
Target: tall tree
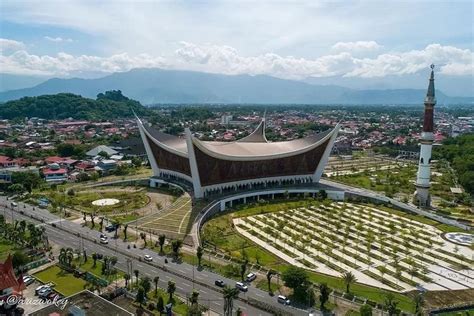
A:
(171, 289)
(270, 274)
(349, 279)
(229, 293)
(199, 253)
(156, 280)
(323, 294)
(141, 296)
(161, 240)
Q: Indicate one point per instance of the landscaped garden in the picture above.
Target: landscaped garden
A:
(381, 248)
(64, 282)
(387, 250)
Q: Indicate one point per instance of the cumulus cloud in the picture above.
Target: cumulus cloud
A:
(58, 39)
(359, 46)
(227, 60)
(8, 45)
(21, 62)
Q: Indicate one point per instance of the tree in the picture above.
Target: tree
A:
(176, 246)
(194, 297)
(127, 278)
(155, 280)
(141, 296)
(270, 274)
(125, 232)
(199, 253)
(171, 289)
(323, 294)
(391, 304)
(161, 241)
(243, 269)
(229, 293)
(348, 278)
(143, 237)
(94, 258)
(145, 283)
(19, 259)
(136, 272)
(160, 305)
(365, 310)
(419, 304)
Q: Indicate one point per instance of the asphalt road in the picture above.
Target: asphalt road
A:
(68, 234)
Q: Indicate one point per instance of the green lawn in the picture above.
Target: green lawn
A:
(179, 307)
(97, 270)
(65, 283)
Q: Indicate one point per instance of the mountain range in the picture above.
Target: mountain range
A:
(153, 86)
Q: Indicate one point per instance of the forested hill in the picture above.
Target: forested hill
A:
(108, 105)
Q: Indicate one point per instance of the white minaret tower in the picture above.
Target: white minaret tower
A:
(422, 194)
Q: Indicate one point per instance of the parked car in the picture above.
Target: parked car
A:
(28, 280)
(102, 236)
(250, 277)
(110, 228)
(41, 287)
(45, 292)
(104, 240)
(219, 283)
(14, 204)
(283, 300)
(241, 286)
(148, 258)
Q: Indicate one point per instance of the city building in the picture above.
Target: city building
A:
(212, 167)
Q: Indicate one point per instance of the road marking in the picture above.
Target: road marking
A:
(218, 304)
(258, 294)
(186, 284)
(181, 271)
(179, 287)
(205, 292)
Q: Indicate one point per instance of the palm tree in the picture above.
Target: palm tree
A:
(419, 303)
(62, 256)
(69, 256)
(94, 258)
(171, 289)
(391, 304)
(175, 246)
(243, 268)
(136, 272)
(127, 278)
(199, 253)
(270, 274)
(155, 280)
(117, 227)
(194, 297)
(348, 278)
(229, 293)
(125, 232)
(161, 241)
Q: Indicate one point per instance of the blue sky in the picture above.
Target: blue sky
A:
(357, 40)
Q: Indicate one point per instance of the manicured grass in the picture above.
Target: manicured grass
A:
(372, 293)
(179, 307)
(449, 229)
(97, 270)
(65, 283)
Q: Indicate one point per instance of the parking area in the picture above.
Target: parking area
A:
(31, 302)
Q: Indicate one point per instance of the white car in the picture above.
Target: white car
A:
(148, 258)
(251, 277)
(283, 300)
(39, 288)
(104, 240)
(28, 279)
(241, 286)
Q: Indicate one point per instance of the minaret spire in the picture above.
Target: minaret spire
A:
(422, 195)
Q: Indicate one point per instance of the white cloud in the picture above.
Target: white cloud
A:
(8, 45)
(58, 39)
(227, 60)
(359, 46)
(21, 62)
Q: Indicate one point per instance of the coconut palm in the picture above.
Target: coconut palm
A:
(171, 289)
(348, 278)
(229, 293)
(155, 280)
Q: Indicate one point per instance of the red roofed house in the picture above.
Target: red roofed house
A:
(54, 173)
(9, 284)
(7, 162)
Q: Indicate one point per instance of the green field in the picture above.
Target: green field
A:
(65, 283)
(97, 270)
